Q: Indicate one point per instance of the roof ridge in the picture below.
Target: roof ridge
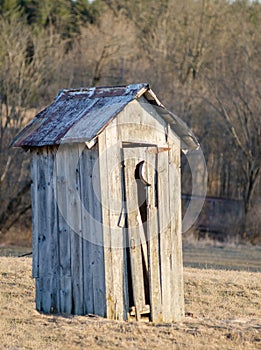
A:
(92, 89)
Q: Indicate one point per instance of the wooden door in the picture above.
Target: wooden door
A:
(140, 195)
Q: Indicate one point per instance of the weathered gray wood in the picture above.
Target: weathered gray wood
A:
(64, 232)
(65, 294)
(99, 273)
(110, 173)
(122, 220)
(48, 242)
(44, 231)
(115, 204)
(53, 229)
(79, 260)
(35, 216)
(126, 296)
(165, 234)
(74, 223)
(38, 294)
(47, 288)
(77, 274)
(44, 266)
(139, 122)
(135, 228)
(93, 259)
(110, 300)
(87, 200)
(176, 238)
(122, 224)
(153, 237)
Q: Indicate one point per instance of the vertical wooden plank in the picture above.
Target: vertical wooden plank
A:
(126, 296)
(65, 294)
(38, 294)
(106, 226)
(98, 273)
(64, 232)
(46, 292)
(165, 234)
(115, 207)
(176, 238)
(87, 230)
(46, 216)
(44, 232)
(75, 227)
(76, 266)
(122, 220)
(93, 266)
(153, 237)
(41, 200)
(35, 215)
(51, 208)
(110, 178)
(134, 229)
(122, 223)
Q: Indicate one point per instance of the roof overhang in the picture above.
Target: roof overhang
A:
(80, 115)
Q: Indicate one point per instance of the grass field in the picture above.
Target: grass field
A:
(222, 312)
(223, 257)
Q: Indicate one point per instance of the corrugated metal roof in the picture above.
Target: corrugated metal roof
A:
(79, 115)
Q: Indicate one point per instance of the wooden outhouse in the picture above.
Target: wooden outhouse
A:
(106, 204)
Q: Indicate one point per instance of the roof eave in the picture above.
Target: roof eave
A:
(188, 140)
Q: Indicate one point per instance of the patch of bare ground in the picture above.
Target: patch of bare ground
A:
(222, 312)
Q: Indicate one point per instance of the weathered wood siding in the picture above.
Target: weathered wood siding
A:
(83, 220)
(67, 233)
(111, 197)
(139, 123)
(175, 225)
(93, 254)
(45, 238)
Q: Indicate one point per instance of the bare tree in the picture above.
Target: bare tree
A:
(27, 63)
(104, 51)
(238, 102)
(234, 92)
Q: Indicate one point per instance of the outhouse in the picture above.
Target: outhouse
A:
(106, 204)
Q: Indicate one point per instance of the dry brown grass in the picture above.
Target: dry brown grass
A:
(222, 313)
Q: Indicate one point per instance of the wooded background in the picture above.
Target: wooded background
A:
(202, 58)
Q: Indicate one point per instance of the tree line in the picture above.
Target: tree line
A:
(201, 57)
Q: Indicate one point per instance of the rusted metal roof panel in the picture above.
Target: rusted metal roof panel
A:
(79, 115)
(99, 116)
(91, 108)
